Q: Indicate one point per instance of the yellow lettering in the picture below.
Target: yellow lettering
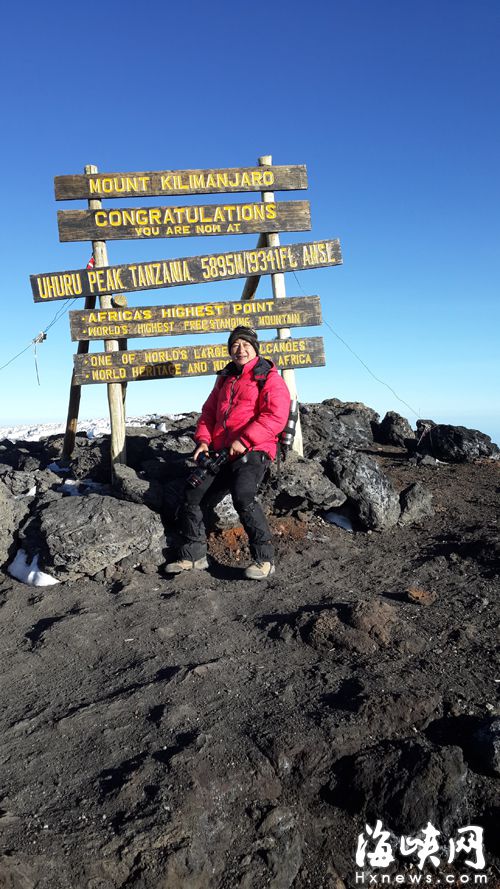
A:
(197, 181)
(309, 254)
(99, 360)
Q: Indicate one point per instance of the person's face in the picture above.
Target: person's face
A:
(242, 352)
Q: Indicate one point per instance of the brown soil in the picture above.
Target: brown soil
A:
(193, 731)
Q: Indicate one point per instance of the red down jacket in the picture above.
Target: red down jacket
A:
(238, 407)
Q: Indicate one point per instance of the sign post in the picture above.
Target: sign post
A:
(114, 321)
(115, 390)
(75, 389)
(279, 291)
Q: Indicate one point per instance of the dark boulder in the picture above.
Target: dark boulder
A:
(486, 746)
(303, 485)
(23, 455)
(90, 457)
(367, 487)
(80, 536)
(23, 484)
(130, 486)
(13, 511)
(394, 430)
(335, 423)
(455, 444)
(404, 784)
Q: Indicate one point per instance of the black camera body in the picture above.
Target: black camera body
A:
(207, 463)
(288, 434)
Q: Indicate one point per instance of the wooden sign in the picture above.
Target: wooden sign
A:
(101, 324)
(183, 222)
(174, 182)
(188, 270)
(188, 361)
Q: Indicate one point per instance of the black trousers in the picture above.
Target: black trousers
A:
(242, 478)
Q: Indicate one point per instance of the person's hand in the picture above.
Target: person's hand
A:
(237, 448)
(201, 449)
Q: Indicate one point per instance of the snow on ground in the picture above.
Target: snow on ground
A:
(29, 572)
(93, 428)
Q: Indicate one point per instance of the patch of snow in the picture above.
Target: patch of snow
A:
(30, 493)
(78, 488)
(54, 467)
(92, 487)
(92, 428)
(335, 518)
(70, 487)
(29, 573)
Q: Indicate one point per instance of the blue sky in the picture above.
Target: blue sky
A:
(393, 107)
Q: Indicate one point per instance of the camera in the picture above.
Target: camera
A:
(205, 464)
(288, 434)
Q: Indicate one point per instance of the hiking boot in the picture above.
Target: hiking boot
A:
(186, 565)
(259, 571)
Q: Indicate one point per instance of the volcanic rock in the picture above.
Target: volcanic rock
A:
(426, 460)
(303, 484)
(362, 480)
(80, 536)
(335, 423)
(219, 513)
(416, 504)
(12, 512)
(394, 430)
(129, 486)
(456, 444)
(404, 784)
(486, 744)
(24, 455)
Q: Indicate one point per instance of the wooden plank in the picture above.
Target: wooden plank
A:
(189, 361)
(175, 182)
(187, 270)
(145, 321)
(182, 222)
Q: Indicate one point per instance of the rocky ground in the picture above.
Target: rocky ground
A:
(207, 732)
